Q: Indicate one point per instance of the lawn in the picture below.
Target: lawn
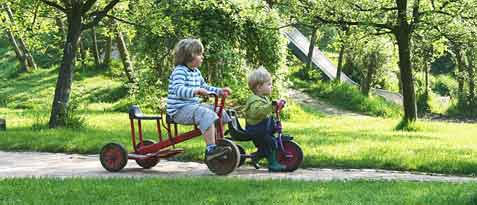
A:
(215, 190)
(340, 141)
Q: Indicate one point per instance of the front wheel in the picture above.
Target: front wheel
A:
(291, 156)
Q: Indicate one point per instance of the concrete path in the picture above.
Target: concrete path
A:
(40, 164)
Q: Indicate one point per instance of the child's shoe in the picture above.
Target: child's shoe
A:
(215, 152)
(273, 164)
(256, 157)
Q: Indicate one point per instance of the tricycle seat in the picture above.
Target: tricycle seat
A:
(236, 131)
(135, 113)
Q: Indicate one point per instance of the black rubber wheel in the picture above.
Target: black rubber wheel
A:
(226, 163)
(242, 153)
(295, 158)
(113, 157)
(150, 162)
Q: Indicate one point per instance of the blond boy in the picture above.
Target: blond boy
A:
(259, 117)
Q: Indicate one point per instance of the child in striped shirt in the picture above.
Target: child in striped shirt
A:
(185, 85)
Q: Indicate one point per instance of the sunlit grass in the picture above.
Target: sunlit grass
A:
(215, 190)
(339, 141)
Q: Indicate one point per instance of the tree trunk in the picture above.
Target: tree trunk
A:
(125, 57)
(27, 63)
(460, 76)
(270, 3)
(471, 75)
(402, 33)
(340, 63)
(95, 47)
(82, 51)
(310, 53)
(29, 58)
(372, 65)
(107, 53)
(18, 51)
(426, 77)
(66, 72)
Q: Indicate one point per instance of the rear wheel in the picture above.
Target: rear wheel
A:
(150, 162)
(113, 157)
(226, 163)
(291, 156)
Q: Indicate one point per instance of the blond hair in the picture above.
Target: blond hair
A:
(186, 50)
(258, 77)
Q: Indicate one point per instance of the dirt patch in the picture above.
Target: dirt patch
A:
(40, 164)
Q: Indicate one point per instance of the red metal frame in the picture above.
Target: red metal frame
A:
(156, 150)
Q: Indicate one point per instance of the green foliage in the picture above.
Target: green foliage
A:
(349, 97)
(443, 65)
(462, 109)
(74, 117)
(445, 85)
(423, 103)
(236, 37)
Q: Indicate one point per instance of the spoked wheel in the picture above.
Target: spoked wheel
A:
(150, 162)
(242, 153)
(113, 157)
(291, 157)
(226, 163)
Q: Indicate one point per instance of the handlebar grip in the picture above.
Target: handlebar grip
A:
(212, 94)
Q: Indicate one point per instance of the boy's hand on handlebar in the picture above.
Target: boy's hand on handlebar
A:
(201, 92)
(281, 103)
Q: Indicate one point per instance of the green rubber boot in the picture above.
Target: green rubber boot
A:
(273, 165)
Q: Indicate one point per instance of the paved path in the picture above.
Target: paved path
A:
(40, 164)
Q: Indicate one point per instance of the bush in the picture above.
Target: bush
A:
(462, 109)
(445, 85)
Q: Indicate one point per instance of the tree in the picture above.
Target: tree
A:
(27, 63)
(400, 18)
(125, 57)
(79, 18)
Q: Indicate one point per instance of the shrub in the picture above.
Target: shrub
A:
(445, 85)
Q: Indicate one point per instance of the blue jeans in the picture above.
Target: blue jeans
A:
(262, 136)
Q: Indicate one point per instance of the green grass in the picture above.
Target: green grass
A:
(342, 141)
(35, 91)
(350, 98)
(231, 191)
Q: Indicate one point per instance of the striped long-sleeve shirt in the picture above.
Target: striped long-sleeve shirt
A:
(182, 84)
